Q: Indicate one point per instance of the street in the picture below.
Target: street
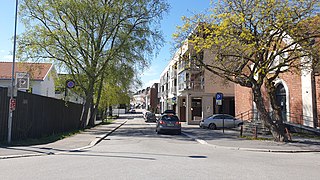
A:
(135, 151)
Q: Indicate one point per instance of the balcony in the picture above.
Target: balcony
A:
(173, 90)
(196, 86)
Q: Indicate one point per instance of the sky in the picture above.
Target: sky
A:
(151, 75)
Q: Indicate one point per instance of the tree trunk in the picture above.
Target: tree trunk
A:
(87, 105)
(275, 127)
(95, 107)
(276, 114)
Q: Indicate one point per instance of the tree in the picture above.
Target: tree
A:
(253, 42)
(85, 36)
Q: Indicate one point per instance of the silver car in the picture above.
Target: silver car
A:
(168, 123)
(218, 120)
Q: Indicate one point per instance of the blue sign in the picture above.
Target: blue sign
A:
(70, 83)
(219, 96)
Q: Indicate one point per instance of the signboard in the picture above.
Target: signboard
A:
(219, 97)
(70, 83)
(13, 104)
(22, 80)
(174, 100)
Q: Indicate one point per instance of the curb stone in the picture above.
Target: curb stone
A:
(201, 141)
(94, 142)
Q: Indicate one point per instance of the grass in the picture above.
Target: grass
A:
(258, 138)
(305, 135)
(42, 140)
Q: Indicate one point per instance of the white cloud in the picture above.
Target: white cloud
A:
(6, 58)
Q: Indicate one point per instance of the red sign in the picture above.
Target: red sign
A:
(13, 103)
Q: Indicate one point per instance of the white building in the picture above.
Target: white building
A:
(42, 76)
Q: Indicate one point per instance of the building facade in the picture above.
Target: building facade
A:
(190, 90)
(297, 94)
(42, 76)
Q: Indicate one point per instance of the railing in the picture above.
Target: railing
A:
(191, 86)
(297, 123)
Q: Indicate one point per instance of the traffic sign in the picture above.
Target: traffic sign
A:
(219, 97)
(70, 83)
(13, 104)
(22, 80)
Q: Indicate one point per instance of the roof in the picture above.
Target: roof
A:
(37, 71)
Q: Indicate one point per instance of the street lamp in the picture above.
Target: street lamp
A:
(11, 109)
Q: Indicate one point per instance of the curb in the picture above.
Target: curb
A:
(98, 140)
(201, 141)
(92, 143)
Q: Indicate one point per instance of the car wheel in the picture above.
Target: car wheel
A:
(212, 126)
(178, 132)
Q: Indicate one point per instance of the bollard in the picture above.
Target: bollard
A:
(288, 134)
(241, 130)
(255, 132)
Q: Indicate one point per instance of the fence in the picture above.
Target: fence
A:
(37, 116)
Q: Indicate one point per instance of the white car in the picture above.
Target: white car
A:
(218, 120)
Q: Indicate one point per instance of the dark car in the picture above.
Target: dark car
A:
(150, 117)
(169, 111)
(168, 123)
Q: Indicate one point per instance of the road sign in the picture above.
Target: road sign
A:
(22, 80)
(219, 97)
(70, 83)
(13, 104)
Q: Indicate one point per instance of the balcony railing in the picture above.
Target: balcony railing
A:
(191, 86)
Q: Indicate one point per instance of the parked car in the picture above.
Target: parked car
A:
(150, 117)
(168, 123)
(132, 111)
(216, 121)
(169, 111)
(145, 114)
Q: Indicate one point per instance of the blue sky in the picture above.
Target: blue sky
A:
(178, 9)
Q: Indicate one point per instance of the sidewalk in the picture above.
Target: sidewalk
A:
(86, 139)
(214, 138)
(230, 139)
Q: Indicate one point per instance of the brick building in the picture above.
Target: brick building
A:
(298, 95)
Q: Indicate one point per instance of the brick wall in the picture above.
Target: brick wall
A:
(293, 81)
(243, 99)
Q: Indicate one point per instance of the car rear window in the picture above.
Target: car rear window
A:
(170, 118)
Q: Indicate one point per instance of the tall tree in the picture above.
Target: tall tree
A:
(84, 36)
(252, 42)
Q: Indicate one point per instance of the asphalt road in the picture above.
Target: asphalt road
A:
(135, 151)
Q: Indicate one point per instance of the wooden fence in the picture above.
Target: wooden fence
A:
(37, 116)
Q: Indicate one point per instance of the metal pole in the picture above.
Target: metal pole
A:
(12, 75)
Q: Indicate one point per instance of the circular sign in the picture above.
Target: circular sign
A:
(70, 83)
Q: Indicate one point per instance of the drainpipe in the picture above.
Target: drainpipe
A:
(314, 100)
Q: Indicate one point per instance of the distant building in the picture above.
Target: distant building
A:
(147, 99)
(42, 76)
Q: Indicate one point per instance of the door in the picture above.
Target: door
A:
(282, 100)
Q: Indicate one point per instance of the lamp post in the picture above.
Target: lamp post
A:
(11, 109)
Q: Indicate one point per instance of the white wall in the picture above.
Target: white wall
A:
(307, 105)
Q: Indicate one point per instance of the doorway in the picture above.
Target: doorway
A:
(282, 100)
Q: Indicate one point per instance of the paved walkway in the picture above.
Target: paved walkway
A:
(214, 138)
